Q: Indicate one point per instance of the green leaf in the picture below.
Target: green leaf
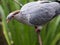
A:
(5, 28)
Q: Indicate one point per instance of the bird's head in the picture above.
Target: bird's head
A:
(11, 15)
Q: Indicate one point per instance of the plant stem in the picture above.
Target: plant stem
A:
(18, 3)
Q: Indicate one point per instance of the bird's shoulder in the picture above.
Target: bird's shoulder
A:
(29, 5)
(33, 4)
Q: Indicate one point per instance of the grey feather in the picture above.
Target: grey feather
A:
(45, 13)
(40, 13)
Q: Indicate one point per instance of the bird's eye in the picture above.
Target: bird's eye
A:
(13, 16)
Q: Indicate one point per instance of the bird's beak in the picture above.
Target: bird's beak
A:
(7, 20)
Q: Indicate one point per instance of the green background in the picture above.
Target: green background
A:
(21, 34)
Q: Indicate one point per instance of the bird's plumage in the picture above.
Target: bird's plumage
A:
(44, 14)
(38, 13)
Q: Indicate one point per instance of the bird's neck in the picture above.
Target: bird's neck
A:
(22, 18)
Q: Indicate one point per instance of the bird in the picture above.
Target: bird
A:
(36, 13)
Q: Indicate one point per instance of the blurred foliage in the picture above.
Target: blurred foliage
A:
(21, 34)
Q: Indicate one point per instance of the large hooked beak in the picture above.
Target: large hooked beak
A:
(11, 15)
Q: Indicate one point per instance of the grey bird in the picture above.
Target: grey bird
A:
(36, 13)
